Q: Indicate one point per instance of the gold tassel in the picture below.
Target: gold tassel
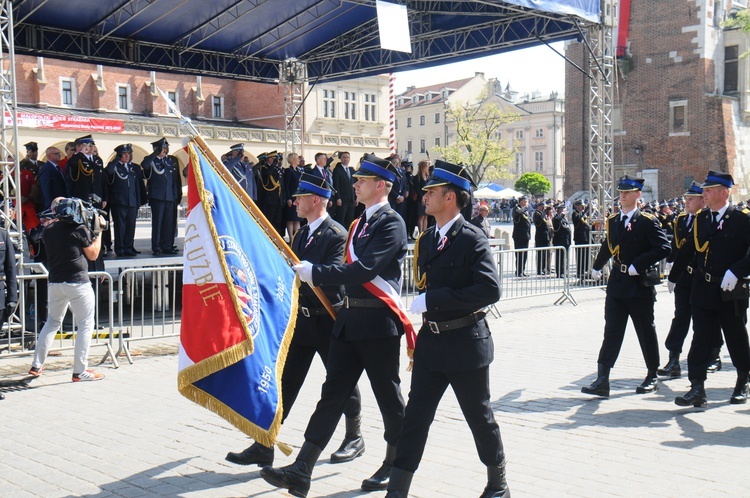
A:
(285, 448)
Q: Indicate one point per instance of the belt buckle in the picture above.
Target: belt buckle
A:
(305, 311)
(689, 269)
(434, 327)
(708, 277)
(623, 268)
(346, 302)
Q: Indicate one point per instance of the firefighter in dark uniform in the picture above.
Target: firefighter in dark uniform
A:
(164, 192)
(560, 238)
(457, 278)
(542, 237)
(581, 237)
(127, 193)
(666, 218)
(719, 258)
(84, 175)
(271, 190)
(635, 242)
(367, 332)
(8, 280)
(521, 234)
(321, 241)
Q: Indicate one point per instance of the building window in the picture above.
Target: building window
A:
(123, 97)
(437, 141)
(408, 146)
(539, 133)
(437, 118)
(421, 120)
(519, 162)
(519, 134)
(731, 69)
(172, 96)
(678, 124)
(329, 104)
(498, 135)
(370, 107)
(395, 121)
(422, 145)
(67, 91)
(408, 122)
(350, 105)
(539, 161)
(218, 106)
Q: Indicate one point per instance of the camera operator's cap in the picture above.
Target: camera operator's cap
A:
(122, 149)
(87, 139)
(237, 147)
(162, 142)
(31, 146)
(310, 184)
(718, 179)
(375, 167)
(629, 183)
(448, 173)
(694, 190)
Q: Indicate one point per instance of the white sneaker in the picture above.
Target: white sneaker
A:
(87, 375)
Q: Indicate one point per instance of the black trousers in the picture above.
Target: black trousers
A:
(123, 218)
(521, 257)
(473, 394)
(541, 259)
(616, 313)
(706, 324)
(162, 224)
(681, 322)
(582, 261)
(561, 260)
(273, 213)
(346, 362)
(345, 214)
(302, 350)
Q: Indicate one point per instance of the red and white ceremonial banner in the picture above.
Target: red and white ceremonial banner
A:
(71, 123)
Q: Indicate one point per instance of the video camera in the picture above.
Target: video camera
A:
(80, 212)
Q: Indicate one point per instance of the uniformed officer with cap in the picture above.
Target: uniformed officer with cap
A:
(271, 191)
(719, 258)
(321, 241)
(635, 242)
(368, 328)
(680, 282)
(84, 176)
(127, 193)
(560, 239)
(241, 171)
(164, 193)
(521, 234)
(457, 278)
(581, 237)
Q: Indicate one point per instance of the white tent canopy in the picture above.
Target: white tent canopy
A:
(488, 193)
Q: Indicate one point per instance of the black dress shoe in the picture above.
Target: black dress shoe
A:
(156, 252)
(715, 366)
(739, 395)
(136, 251)
(128, 253)
(169, 251)
(696, 397)
(671, 369)
(353, 444)
(600, 387)
(295, 478)
(649, 385)
(256, 454)
(379, 479)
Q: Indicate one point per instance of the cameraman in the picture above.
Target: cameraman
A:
(70, 242)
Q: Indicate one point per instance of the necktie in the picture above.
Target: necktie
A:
(623, 221)
(715, 215)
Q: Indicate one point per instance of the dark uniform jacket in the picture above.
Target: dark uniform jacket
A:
(164, 183)
(271, 189)
(521, 224)
(460, 279)
(713, 251)
(381, 249)
(683, 235)
(9, 282)
(561, 230)
(126, 187)
(52, 183)
(543, 234)
(581, 227)
(84, 177)
(641, 243)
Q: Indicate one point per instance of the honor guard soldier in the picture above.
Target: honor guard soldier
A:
(367, 331)
(457, 278)
(635, 242)
(521, 234)
(542, 237)
(560, 238)
(83, 176)
(271, 192)
(581, 237)
(127, 193)
(164, 192)
(666, 218)
(719, 258)
(321, 241)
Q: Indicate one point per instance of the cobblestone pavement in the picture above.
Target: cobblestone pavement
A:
(133, 434)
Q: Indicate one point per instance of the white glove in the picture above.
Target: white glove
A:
(670, 286)
(419, 305)
(729, 282)
(304, 270)
(596, 274)
(632, 271)
(667, 267)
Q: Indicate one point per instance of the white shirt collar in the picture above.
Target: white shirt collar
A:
(722, 211)
(628, 215)
(316, 223)
(373, 209)
(444, 231)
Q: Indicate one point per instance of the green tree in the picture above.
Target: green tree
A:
(475, 142)
(533, 183)
(741, 20)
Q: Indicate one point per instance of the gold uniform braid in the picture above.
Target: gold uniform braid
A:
(419, 281)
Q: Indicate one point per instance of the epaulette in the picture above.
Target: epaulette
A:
(335, 228)
(614, 215)
(648, 215)
(745, 211)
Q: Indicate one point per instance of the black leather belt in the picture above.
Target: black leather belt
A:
(620, 266)
(707, 276)
(308, 312)
(458, 323)
(355, 302)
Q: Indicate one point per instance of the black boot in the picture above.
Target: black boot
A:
(739, 395)
(353, 444)
(715, 365)
(672, 368)
(381, 477)
(294, 477)
(600, 387)
(497, 487)
(399, 484)
(649, 384)
(696, 396)
(257, 454)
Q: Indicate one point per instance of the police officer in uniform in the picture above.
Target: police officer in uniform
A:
(521, 234)
(457, 278)
(127, 193)
(719, 258)
(635, 242)
(84, 174)
(321, 241)
(241, 171)
(271, 191)
(164, 192)
(542, 237)
(367, 332)
(581, 237)
(560, 238)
